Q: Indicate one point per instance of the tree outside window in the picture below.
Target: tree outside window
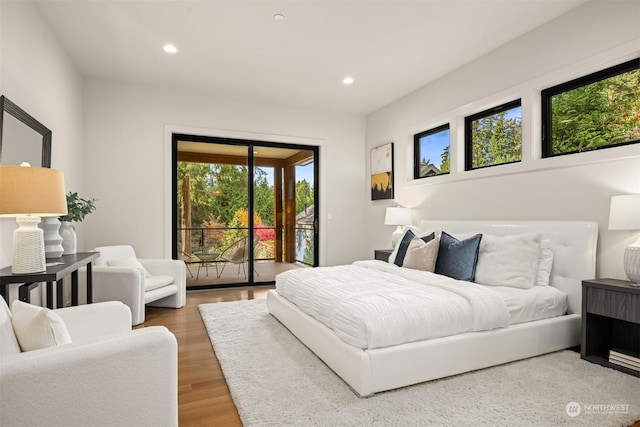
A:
(494, 136)
(597, 111)
(431, 152)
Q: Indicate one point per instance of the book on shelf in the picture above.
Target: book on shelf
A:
(625, 358)
(626, 365)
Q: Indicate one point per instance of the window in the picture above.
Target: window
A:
(600, 110)
(494, 137)
(431, 152)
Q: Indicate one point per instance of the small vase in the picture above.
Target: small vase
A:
(68, 234)
(52, 239)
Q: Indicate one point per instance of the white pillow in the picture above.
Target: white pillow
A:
(421, 255)
(508, 260)
(37, 327)
(545, 263)
(129, 262)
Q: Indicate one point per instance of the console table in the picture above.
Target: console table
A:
(57, 269)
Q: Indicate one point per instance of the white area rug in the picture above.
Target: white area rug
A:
(276, 381)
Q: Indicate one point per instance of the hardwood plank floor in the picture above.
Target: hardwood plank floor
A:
(203, 395)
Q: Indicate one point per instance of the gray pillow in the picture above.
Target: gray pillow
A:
(458, 258)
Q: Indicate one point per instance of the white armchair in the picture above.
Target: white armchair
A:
(118, 275)
(108, 375)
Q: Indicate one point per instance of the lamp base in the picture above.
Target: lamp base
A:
(396, 236)
(28, 246)
(632, 264)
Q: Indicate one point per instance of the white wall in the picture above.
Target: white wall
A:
(127, 162)
(589, 38)
(37, 75)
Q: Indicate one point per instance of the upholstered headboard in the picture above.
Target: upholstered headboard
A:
(573, 244)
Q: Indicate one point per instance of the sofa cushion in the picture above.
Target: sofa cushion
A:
(37, 327)
(155, 282)
(113, 252)
(8, 343)
(129, 262)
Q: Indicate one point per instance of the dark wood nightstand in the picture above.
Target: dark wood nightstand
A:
(382, 254)
(610, 320)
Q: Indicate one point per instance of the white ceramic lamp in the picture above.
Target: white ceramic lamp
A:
(29, 193)
(625, 215)
(397, 216)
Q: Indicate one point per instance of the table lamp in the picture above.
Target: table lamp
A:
(397, 216)
(625, 215)
(29, 193)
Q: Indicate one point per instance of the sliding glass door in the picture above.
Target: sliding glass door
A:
(244, 211)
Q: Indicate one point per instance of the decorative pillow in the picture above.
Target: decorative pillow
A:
(398, 254)
(129, 262)
(545, 263)
(508, 260)
(37, 327)
(458, 258)
(422, 255)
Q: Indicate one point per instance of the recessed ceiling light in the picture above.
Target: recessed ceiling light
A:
(278, 17)
(169, 48)
(348, 80)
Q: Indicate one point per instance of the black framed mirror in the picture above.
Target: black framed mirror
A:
(22, 137)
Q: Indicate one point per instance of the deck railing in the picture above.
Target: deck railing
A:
(217, 239)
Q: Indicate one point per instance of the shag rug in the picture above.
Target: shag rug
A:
(276, 381)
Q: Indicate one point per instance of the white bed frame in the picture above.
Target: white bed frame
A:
(372, 371)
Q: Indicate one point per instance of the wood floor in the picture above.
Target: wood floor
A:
(203, 396)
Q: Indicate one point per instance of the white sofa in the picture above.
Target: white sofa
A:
(118, 275)
(108, 376)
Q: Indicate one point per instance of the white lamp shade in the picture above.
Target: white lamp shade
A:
(625, 212)
(397, 216)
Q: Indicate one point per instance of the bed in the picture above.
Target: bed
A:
(376, 368)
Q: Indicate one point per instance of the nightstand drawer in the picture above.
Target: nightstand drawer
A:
(614, 304)
(382, 254)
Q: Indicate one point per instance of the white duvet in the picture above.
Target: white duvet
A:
(373, 304)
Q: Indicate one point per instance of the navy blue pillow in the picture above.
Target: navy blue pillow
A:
(404, 245)
(458, 258)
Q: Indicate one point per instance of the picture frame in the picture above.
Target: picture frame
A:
(382, 172)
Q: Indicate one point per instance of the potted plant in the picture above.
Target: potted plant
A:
(77, 209)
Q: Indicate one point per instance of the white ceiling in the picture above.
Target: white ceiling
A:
(237, 50)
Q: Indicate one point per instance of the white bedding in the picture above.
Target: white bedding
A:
(527, 305)
(373, 304)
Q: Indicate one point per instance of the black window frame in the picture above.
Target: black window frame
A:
(468, 142)
(416, 149)
(548, 94)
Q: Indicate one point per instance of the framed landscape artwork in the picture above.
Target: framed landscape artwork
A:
(382, 172)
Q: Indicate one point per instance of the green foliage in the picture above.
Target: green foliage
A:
(304, 195)
(77, 208)
(445, 166)
(603, 113)
(201, 179)
(219, 200)
(496, 139)
(263, 198)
